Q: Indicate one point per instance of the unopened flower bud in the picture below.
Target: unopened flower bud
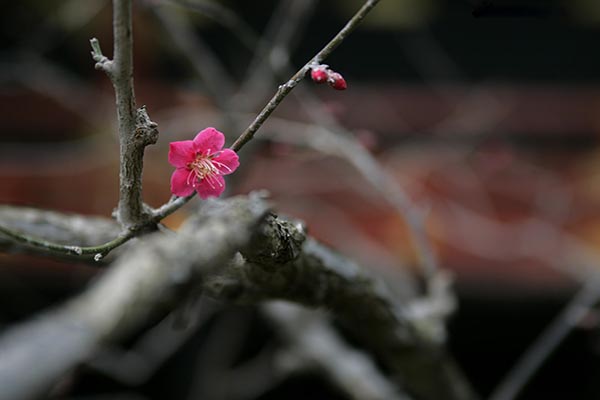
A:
(319, 74)
(337, 81)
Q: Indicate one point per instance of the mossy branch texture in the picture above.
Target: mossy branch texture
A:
(281, 262)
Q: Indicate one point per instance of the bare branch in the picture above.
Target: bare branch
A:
(287, 87)
(282, 263)
(273, 49)
(98, 251)
(202, 59)
(136, 131)
(144, 283)
(57, 227)
(315, 344)
(57, 233)
(224, 16)
(282, 92)
(330, 138)
(102, 62)
(548, 341)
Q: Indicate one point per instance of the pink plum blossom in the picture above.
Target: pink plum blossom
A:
(201, 164)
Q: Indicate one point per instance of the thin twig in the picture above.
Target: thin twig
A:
(349, 150)
(54, 227)
(273, 50)
(315, 344)
(516, 379)
(287, 87)
(224, 16)
(330, 138)
(205, 64)
(98, 251)
(175, 203)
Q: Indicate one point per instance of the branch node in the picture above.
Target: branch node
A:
(146, 130)
(102, 62)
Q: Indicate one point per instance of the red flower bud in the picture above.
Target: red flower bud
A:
(337, 81)
(319, 74)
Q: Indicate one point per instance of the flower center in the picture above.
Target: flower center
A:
(203, 167)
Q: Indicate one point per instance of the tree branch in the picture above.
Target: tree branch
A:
(69, 233)
(98, 251)
(282, 263)
(287, 87)
(283, 90)
(143, 283)
(315, 344)
(534, 357)
(136, 130)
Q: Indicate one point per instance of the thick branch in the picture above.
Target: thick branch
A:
(145, 282)
(281, 263)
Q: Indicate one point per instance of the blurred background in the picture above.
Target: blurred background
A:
(486, 113)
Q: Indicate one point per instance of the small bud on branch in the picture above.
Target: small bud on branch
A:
(321, 73)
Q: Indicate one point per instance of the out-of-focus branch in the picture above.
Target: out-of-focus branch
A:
(144, 283)
(279, 263)
(341, 140)
(52, 247)
(55, 232)
(273, 50)
(314, 344)
(221, 15)
(516, 379)
(56, 226)
(205, 64)
(136, 130)
(134, 366)
(282, 263)
(330, 138)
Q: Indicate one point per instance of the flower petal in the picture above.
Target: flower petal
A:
(209, 141)
(226, 162)
(180, 184)
(181, 153)
(211, 186)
